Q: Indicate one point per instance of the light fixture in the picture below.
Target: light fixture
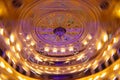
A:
(109, 47)
(9, 70)
(28, 37)
(116, 67)
(2, 65)
(18, 47)
(47, 49)
(62, 50)
(55, 50)
(71, 48)
(112, 52)
(85, 42)
(7, 41)
(17, 55)
(89, 36)
(96, 78)
(1, 31)
(38, 58)
(104, 53)
(32, 43)
(13, 48)
(99, 45)
(12, 38)
(115, 40)
(21, 78)
(81, 57)
(103, 75)
(105, 37)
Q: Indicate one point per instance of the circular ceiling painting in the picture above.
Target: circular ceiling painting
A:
(60, 30)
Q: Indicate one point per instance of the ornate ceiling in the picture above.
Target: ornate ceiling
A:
(59, 39)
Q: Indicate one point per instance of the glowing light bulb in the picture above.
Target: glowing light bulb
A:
(116, 67)
(69, 68)
(32, 43)
(45, 59)
(13, 48)
(20, 33)
(89, 36)
(47, 49)
(57, 69)
(95, 63)
(1, 31)
(74, 67)
(71, 48)
(20, 78)
(55, 50)
(18, 47)
(17, 55)
(4, 77)
(104, 53)
(38, 58)
(2, 65)
(12, 38)
(9, 70)
(63, 50)
(41, 67)
(52, 69)
(28, 45)
(99, 45)
(106, 57)
(28, 37)
(8, 54)
(85, 42)
(105, 37)
(103, 75)
(112, 51)
(81, 57)
(7, 41)
(96, 78)
(88, 65)
(14, 61)
(109, 47)
(115, 40)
